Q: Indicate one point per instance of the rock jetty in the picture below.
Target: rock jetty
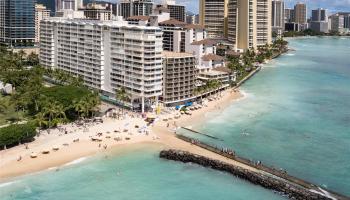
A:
(282, 186)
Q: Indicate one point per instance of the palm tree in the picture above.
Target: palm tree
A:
(41, 120)
(95, 101)
(60, 114)
(78, 107)
(50, 110)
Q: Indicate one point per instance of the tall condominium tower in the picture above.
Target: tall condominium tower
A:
(68, 4)
(249, 23)
(288, 15)
(41, 12)
(347, 21)
(278, 16)
(213, 15)
(177, 12)
(128, 8)
(319, 15)
(300, 14)
(263, 22)
(17, 22)
(337, 23)
(108, 55)
(319, 20)
(49, 4)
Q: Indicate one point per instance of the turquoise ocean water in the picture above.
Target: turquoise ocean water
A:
(296, 114)
(135, 174)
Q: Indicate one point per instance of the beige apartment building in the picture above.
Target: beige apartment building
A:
(300, 13)
(213, 16)
(40, 13)
(179, 77)
(245, 23)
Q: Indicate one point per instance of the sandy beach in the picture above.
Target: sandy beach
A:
(117, 134)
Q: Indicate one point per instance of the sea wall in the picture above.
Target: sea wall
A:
(293, 191)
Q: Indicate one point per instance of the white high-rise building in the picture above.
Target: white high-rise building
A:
(263, 22)
(337, 23)
(278, 16)
(68, 5)
(108, 55)
(129, 8)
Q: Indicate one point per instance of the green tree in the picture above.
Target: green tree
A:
(41, 120)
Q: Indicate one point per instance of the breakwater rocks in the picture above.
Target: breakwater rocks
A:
(293, 191)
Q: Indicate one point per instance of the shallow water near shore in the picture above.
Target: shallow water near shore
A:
(296, 114)
(134, 174)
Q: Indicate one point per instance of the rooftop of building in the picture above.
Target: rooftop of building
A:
(109, 23)
(207, 42)
(222, 69)
(213, 57)
(162, 8)
(171, 54)
(172, 22)
(139, 18)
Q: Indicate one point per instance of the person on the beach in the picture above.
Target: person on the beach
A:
(19, 158)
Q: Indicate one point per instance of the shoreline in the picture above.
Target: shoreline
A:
(159, 135)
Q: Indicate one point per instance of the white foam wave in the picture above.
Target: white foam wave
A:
(290, 54)
(245, 94)
(324, 193)
(270, 66)
(51, 168)
(7, 183)
(79, 160)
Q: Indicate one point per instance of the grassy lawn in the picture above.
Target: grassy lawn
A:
(7, 111)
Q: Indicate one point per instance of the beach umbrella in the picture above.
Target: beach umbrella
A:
(33, 155)
(55, 148)
(46, 151)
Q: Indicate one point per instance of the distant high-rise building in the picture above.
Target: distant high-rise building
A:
(347, 21)
(49, 4)
(40, 13)
(337, 23)
(17, 22)
(319, 15)
(289, 15)
(97, 11)
(300, 13)
(177, 12)
(128, 8)
(192, 19)
(68, 5)
(213, 15)
(319, 20)
(278, 16)
(263, 22)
